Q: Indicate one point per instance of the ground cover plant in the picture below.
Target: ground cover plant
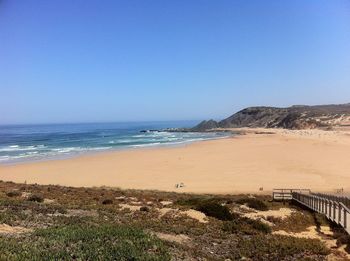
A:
(215, 210)
(246, 226)
(104, 223)
(253, 203)
(84, 242)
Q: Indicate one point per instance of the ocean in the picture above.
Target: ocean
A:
(22, 143)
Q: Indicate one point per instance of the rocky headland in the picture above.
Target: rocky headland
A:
(294, 117)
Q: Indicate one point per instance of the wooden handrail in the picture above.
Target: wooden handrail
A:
(332, 207)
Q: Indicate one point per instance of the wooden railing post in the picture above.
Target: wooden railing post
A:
(327, 207)
(345, 221)
(310, 201)
(315, 203)
(319, 204)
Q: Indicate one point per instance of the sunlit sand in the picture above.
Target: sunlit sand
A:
(255, 162)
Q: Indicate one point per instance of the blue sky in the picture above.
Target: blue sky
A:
(88, 61)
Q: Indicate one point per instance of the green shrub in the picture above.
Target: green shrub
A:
(144, 208)
(344, 240)
(320, 220)
(192, 201)
(259, 226)
(274, 219)
(13, 193)
(107, 202)
(36, 198)
(242, 225)
(298, 221)
(77, 242)
(277, 247)
(11, 217)
(253, 203)
(215, 210)
(207, 205)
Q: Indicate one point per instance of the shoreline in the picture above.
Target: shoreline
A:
(237, 164)
(112, 150)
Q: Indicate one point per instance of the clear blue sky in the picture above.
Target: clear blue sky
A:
(83, 61)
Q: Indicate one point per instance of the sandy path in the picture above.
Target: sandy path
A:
(294, 159)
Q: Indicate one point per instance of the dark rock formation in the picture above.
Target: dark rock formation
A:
(146, 131)
(254, 117)
(205, 125)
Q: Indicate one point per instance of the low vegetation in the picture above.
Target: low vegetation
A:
(13, 193)
(215, 210)
(107, 201)
(282, 248)
(298, 221)
(246, 226)
(195, 201)
(320, 220)
(36, 198)
(344, 239)
(253, 203)
(77, 242)
(64, 223)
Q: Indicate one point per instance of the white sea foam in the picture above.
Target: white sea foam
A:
(64, 150)
(100, 148)
(139, 136)
(32, 152)
(145, 145)
(126, 141)
(4, 158)
(57, 147)
(20, 148)
(78, 149)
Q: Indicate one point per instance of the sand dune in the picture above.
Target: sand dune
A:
(319, 160)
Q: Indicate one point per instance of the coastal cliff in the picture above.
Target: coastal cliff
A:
(294, 117)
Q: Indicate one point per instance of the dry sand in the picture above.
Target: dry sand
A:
(319, 160)
(180, 239)
(281, 213)
(6, 229)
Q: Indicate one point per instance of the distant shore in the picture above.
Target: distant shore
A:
(256, 162)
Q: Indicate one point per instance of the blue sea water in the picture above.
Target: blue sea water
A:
(20, 143)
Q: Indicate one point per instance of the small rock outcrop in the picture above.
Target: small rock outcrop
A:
(206, 125)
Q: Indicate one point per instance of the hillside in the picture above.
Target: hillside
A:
(294, 117)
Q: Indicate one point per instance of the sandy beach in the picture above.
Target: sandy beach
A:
(315, 159)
